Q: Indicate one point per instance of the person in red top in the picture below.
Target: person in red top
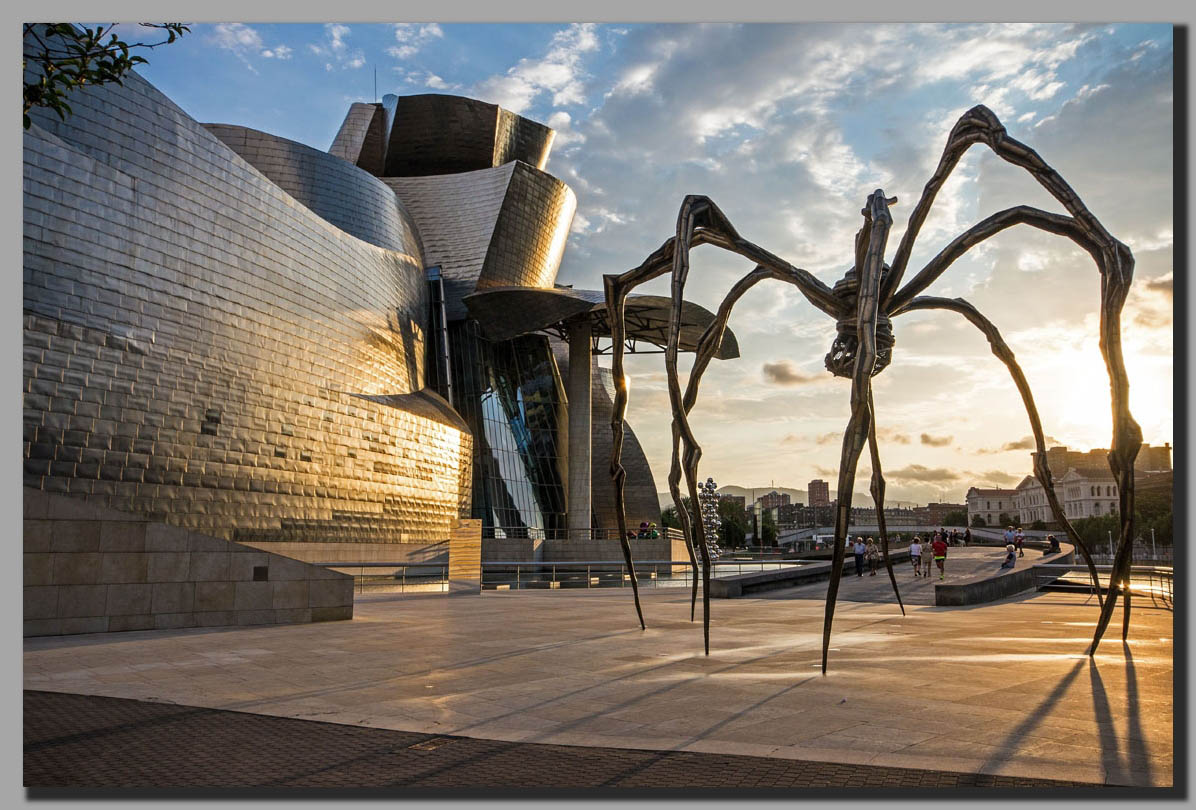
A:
(940, 553)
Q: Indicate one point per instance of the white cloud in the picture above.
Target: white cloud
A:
(245, 42)
(236, 37)
(335, 46)
(559, 72)
(411, 37)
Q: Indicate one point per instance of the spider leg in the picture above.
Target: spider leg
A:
(878, 495)
(1116, 265)
(1042, 470)
(699, 222)
(878, 223)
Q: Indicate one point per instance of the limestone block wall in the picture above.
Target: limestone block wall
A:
(203, 349)
(88, 569)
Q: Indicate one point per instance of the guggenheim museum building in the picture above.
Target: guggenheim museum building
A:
(248, 337)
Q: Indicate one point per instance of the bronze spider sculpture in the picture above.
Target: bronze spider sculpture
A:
(863, 303)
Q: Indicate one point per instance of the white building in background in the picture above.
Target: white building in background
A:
(1031, 502)
(1088, 492)
(990, 504)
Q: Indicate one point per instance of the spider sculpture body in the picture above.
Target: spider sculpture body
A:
(863, 304)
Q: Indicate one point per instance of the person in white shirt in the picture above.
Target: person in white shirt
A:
(859, 550)
(915, 555)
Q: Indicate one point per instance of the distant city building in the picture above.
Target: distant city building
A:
(819, 492)
(790, 515)
(935, 514)
(773, 499)
(894, 517)
(739, 500)
(989, 504)
(1149, 459)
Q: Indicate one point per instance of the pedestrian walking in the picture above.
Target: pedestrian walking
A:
(915, 555)
(940, 556)
(1008, 535)
(872, 553)
(967, 536)
(1018, 539)
(859, 550)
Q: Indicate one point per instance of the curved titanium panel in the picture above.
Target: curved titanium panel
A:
(530, 235)
(201, 348)
(361, 140)
(439, 134)
(489, 228)
(346, 196)
(455, 215)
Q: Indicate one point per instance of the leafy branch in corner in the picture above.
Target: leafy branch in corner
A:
(66, 56)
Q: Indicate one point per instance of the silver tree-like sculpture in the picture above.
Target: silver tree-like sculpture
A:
(863, 303)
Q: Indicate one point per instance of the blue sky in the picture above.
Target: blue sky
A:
(789, 127)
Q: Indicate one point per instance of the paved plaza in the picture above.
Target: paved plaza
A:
(999, 690)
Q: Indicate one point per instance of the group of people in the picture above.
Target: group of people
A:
(1016, 538)
(865, 551)
(935, 547)
(648, 531)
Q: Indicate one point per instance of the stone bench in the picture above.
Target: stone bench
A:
(1003, 583)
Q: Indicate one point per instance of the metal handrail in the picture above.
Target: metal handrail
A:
(1160, 586)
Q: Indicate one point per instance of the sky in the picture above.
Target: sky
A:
(788, 128)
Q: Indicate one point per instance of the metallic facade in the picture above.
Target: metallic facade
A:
(233, 332)
(201, 347)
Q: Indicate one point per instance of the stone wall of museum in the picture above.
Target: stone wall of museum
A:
(202, 348)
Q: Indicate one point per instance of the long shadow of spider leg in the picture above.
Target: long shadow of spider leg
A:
(878, 496)
(1116, 265)
(1042, 470)
(870, 246)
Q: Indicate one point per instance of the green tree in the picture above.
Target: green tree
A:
(1152, 510)
(958, 517)
(1038, 526)
(1005, 520)
(978, 522)
(734, 524)
(60, 57)
(668, 515)
(768, 529)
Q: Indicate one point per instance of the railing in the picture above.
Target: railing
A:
(550, 535)
(1152, 581)
(521, 575)
(369, 577)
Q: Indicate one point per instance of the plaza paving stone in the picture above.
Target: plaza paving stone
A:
(100, 742)
(996, 690)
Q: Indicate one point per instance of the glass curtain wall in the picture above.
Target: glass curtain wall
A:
(511, 395)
